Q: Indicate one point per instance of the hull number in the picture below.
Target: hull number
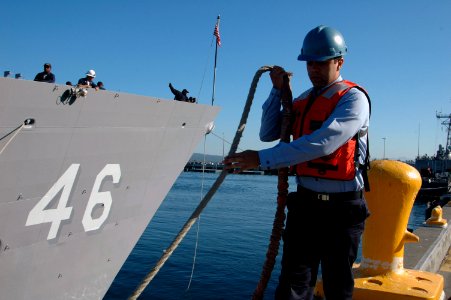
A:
(41, 214)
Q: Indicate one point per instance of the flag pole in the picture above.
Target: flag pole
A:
(216, 57)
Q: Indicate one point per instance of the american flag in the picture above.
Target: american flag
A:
(216, 34)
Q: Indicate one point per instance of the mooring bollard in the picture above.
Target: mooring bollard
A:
(381, 273)
(436, 219)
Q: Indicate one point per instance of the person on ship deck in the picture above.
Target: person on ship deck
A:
(179, 96)
(46, 75)
(87, 81)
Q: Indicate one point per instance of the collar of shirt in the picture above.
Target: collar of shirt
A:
(336, 80)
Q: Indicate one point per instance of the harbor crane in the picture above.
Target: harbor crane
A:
(447, 124)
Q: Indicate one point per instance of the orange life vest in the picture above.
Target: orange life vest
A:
(309, 116)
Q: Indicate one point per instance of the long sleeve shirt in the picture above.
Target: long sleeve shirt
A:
(350, 116)
(45, 77)
(177, 94)
(85, 81)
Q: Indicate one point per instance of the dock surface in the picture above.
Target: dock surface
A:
(445, 271)
(432, 253)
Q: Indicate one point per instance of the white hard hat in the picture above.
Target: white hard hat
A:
(91, 73)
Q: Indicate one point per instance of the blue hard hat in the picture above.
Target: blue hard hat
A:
(322, 43)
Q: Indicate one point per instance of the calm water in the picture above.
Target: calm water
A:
(234, 231)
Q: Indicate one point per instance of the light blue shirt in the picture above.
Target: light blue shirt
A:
(350, 116)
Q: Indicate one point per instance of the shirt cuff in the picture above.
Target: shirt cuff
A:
(267, 161)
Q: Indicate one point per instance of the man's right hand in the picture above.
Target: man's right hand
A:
(245, 160)
(276, 75)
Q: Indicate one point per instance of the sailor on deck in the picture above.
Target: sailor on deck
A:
(46, 75)
(180, 96)
(88, 80)
(326, 215)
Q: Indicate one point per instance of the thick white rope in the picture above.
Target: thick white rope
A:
(12, 138)
(195, 215)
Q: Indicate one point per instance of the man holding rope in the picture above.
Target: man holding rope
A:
(329, 154)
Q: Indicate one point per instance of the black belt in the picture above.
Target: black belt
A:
(345, 196)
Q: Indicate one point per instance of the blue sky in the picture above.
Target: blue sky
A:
(400, 51)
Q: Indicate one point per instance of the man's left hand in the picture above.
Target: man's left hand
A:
(245, 160)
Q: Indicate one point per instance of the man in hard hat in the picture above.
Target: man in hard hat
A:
(88, 80)
(180, 96)
(46, 75)
(329, 154)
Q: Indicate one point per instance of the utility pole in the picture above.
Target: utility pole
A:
(418, 153)
(384, 138)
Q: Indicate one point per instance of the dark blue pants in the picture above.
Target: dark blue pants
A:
(326, 232)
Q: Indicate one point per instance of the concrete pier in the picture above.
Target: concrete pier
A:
(432, 252)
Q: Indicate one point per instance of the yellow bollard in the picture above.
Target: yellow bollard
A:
(381, 275)
(394, 186)
(436, 219)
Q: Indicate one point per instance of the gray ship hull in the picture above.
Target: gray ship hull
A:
(79, 186)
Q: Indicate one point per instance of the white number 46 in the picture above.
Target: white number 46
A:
(39, 214)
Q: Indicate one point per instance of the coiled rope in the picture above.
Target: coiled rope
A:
(195, 215)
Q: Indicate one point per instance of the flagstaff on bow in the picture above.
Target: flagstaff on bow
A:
(218, 43)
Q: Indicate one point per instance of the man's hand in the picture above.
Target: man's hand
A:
(276, 75)
(246, 160)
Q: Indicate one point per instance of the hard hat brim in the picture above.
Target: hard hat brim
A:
(303, 57)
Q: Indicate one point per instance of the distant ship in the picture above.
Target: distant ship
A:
(435, 170)
(82, 173)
